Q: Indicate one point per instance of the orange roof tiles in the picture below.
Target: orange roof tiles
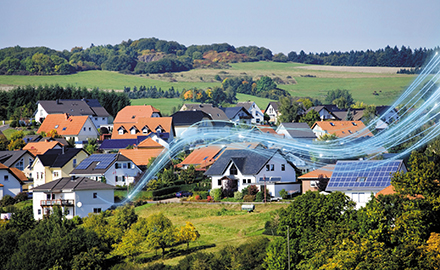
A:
(149, 143)
(130, 114)
(64, 124)
(267, 129)
(39, 148)
(202, 156)
(19, 174)
(151, 122)
(325, 171)
(140, 156)
(389, 190)
(344, 128)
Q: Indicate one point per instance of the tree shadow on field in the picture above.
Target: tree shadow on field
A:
(172, 253)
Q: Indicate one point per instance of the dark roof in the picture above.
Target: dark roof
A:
(72, 184)
(299, 130)
(75, 107)
(32, 138)
(274, 105)
(363, 175)
(231, 112)
(89, 165)
(185, 118)
(57, 158)
(246, 105)
(60, 140)
(214, 112)
(123, 143)
(9, 158)
(247, 161)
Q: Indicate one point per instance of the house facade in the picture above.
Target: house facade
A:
(197, 120)
(272, 111)
(238, 115)
(296, 131)
(55, 164)
(113, 169)
(254, 110)
(77, 196)
(267, 169)
(11, 181)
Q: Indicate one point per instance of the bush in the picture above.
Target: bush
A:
(238, 195)
(209, 199)
(249, 198)
(252, 190)
(259, 196)
(13, 124)
(198, 198)
(216, 194)
(7, 200)
(21, 197)
(283, 193)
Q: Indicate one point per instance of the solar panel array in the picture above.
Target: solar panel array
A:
(104, 161)
(362, 174)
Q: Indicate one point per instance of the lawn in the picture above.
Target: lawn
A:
(219, 225)
(299, 79)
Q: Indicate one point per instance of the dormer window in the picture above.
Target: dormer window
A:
(56, 126)
(233, 170)
(332, 124)
(354, 124)
(121, 131)
(133, 130)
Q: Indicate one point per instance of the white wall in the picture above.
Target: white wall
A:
(129, 173)
(41, 113)
(104, 200)
(88, 131)
(11, 186)
(99, 121)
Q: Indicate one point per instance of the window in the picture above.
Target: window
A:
(20, 165)
(116, 179)
(96, 118)
(96, 210)
(117, 166)
(90, 129)
(48, 196)
(283, 167)
(74, 163)
(53, 196)
(39, 211)
(55, 174)
(272, 167)
(38, 175)
(244, 181)
(219, 182)
(133, 131)
(6, 178)
(267, 167)
(95, 195)
(56, 126)
(361, 179)
(31, 160)
(121, 131)
(124, 165)
(249, 181)
(233, 170)
(103, 119)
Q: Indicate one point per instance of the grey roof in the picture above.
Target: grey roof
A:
(247, 161)
(246, 105)
(214, 112)
(57, 158)
(9, 158)
(299, 130)
(274, 104)
(90, 164)
(186, 118)
(67, 184)
(76, 107)
(363, 175)
(32, 138)
(231, 112)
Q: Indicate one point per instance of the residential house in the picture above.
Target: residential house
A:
(131, 114)
(296, 131)
(38, 148)
(11, 181)
(141, 156)
(310, 180)
(359, 179)
(55, 164)
(238, 115)
(254, 110)
(32, 138)
(75, 107)
(80, 128)
(202, 157)
(197, 120)
(19, 159)
(156, 139)
(272, 111)
(144, 126)
(113, 169)
(215, 113)
(341, 129)
(265, 129)
(264, 168)
(77, 196)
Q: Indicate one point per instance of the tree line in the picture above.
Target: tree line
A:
(151, 55)
(21, 102)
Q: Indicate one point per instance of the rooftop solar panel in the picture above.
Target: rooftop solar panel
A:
(104, 160)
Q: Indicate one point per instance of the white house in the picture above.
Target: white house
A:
(11, 181)
(261, 167)
(113, 169)
(238, 115)
(76, 107)
(272, 111)
(296, 131)
(76, 196)
(358, 179)
(254, 110)
(189, 123)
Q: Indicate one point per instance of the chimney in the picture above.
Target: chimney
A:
(58, 101)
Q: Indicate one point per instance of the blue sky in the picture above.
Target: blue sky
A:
(281, 26)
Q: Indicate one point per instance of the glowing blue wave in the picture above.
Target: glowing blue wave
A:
(418, 105)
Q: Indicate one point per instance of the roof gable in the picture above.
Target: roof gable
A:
(131, 114)
(57, 158)
(64, 124)
(298, 130)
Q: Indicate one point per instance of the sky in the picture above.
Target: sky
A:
(278, 25)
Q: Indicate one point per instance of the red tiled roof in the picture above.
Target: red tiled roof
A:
(39, 148)
(64, 124)
(325, 171)
(130, 114)
(344, 128)
(149, 143)
(203, 156)
(151, 122)
(140, 156)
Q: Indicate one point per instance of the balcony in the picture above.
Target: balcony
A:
(49, 203)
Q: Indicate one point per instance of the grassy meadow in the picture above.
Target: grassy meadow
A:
(219, 225)
(298, 79)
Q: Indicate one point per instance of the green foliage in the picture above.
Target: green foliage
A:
(188, 233)
(276, 258)
(7, 200)
(123, 217)
(283, 193)
(290, 111)
(161, 232)
(216, 194)
(238, 195)
(341, 98)
(310, 118)
(249, 198)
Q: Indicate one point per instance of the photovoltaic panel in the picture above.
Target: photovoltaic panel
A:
(358, 174)
(104, 160)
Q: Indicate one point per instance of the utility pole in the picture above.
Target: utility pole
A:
(288, 248)
(264, 178)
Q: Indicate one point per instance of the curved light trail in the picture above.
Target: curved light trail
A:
(418, 105)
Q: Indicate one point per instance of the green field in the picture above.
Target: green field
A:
(219, 225)
(299, 79)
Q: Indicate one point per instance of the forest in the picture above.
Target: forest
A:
(151, 55)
